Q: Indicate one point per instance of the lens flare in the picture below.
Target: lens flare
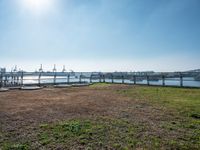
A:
(37, 6)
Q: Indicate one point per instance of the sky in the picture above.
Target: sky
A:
(100, 35)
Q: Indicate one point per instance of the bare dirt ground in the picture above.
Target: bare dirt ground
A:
(19, 108)
(21, 112)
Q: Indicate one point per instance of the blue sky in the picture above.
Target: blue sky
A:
(100, 35)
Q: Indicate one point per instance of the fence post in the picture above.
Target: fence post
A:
(54, 80)
(11, 79)
(17, 78)
(163, 80)
(112, 78)
(104, 79)
(80, 78)
(147, 80)
(5, 81)
(122, 79)
(68, 77)
(39, 78)
(181, 80)
(22, 78)
(134, 78)
(1, 84)
(14, 79)
(100, 76)
(90, 78)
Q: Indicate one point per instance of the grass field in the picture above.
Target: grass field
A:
(101, 116)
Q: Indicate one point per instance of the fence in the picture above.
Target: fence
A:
(179, 79)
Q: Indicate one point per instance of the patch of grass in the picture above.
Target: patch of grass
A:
(109, 133)
(185, 105)
(43, 125)
(99, 133)
(9, 146)
(44, 139)
(184, 101)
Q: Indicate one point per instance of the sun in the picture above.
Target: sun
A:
(37, 6)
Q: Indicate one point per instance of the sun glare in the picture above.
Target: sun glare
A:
(37, 6)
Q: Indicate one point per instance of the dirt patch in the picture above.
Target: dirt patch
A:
(22, 108)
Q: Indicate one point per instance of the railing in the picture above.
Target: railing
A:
(178, 79)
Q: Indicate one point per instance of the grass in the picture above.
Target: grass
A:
(184, 101)
(109, 133)
(99, 133)
(10, 146)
